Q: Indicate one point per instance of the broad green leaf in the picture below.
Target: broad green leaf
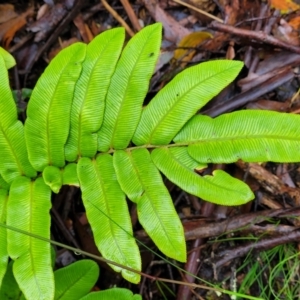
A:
(250, 135)
(53, 178)
(69, 175)
(108, 215)
(9, 60)
(14, 158)
(220, 188)
(180, 99)
(8, 109)
(90, 92)
(48, 113)
(114, 293)
(75, 280)
(9, 290)
(28, 209)
(128, 88)
(141, 181)
(3, 184)
(181, 154)
(13, 162)
(3, 238)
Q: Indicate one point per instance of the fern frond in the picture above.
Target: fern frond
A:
(128, 88)
(69, 175)
(181, 98)
(220, 188)
(253, 136)
(3, 184)
(8, 109)
(113, 293)
(28, 209)
(76, 280)
(8, 59)
(181, 155)
(3, 234)
(106, 208)
(53, 178)
(90, 93)
(14, 157)
(142, 183)
(48, 113)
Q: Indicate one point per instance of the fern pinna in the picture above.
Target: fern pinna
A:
(86, 126)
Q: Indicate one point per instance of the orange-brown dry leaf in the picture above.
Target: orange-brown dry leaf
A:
(84, 30)
(7, 12)
(285, 6)
(295, 23)
(95, 28)
(187, 46)
(9, 28)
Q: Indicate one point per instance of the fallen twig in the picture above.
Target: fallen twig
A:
(258, 36)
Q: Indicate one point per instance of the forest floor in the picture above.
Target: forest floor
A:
(250, 249)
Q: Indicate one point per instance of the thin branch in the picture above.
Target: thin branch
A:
(199, 11)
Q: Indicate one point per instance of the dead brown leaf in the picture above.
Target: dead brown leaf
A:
(285, 6)
(84, 30)
(9, 28)
(7, 12)
(295, 23)
(187, 46)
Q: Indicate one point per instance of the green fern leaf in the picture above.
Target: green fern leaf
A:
(48, 113)
(181, 154)
(253, 136)
(107, 212)
(3, 184)
(179, 100)
(69, 175)
(128, 88)
(9, 290)
(53, 178)
(9, 60)
(14, 157)
(114, 293)
(13, 163)
(90, 92)
(28, 209)
(3, 235)
(8, 109)
(75, 280)
(220, 188)
(141, 181)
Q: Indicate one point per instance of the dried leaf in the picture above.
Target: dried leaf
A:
(84, 30)
(285, 6)
(7, 12)
(9, 28)
(187, 46)
(295, 23)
